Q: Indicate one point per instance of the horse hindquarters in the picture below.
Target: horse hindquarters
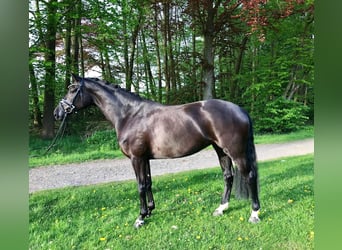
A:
(253, 177)
(237, 144)
(246, 181)
(226, 166)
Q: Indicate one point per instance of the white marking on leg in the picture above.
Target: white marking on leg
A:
(138, 223)
(254, 217)
(220, 209)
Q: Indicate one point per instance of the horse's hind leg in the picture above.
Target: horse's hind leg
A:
(226, 166)
(247, 176)
(253, 185)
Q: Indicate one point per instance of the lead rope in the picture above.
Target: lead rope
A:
(59, 132)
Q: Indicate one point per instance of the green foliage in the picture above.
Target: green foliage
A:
(102, 216)
(281, 116)
(148, 45)
(277, 78)
(106, 137)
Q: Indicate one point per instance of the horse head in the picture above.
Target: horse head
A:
(76, 98)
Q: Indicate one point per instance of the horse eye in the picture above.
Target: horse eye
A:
(72, 88)
(72, 85)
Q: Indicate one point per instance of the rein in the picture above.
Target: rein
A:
(61, 130)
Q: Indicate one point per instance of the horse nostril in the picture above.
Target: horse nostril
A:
(57, 115)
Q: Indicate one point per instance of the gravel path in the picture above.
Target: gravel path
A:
(103, 171)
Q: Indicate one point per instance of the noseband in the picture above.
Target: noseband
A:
(68, 107)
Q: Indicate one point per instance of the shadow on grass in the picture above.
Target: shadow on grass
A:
(281, 182)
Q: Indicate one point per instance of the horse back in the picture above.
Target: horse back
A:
(181, 130)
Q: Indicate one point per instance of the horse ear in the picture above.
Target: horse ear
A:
(75, 77)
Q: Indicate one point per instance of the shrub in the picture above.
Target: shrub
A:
(104, 138)
(281, 116)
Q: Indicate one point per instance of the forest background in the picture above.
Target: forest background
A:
(257, 54)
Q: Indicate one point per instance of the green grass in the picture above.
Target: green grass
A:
(102, 216)
(307, 132)
(103, 145)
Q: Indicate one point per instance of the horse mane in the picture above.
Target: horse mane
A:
(117, 88)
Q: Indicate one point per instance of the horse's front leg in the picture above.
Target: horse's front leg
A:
(139, 166)
(150, 205)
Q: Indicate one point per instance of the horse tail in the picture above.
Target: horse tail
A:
(241, 181)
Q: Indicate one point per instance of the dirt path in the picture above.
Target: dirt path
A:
(103, 171)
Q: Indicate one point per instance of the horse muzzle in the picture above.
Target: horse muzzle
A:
(59, 113)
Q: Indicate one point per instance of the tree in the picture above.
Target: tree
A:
(204, 14)
(280, 68)
(251, 52)
(50, 71)
(213, 17)
(37, 121)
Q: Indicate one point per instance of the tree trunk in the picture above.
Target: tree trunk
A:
(172, 68)
(37, 120)
(102, 65)
(50, 61)
(134, 39)
(208, 54)
(194, 67)
(233, 85)
(82, 56)
(76, 37)
(67, 49)
(292, 86)
(125, 45)
(106, 63)
(156, 40)
(166, 52)
(150, 84)
(254, 77)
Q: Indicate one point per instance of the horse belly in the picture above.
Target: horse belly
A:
(174, 145)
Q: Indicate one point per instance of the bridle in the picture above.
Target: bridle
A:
(68, 107)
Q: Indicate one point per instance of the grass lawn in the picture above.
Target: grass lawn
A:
(103, 145)
(102, 216)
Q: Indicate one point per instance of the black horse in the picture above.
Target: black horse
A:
(149, 130)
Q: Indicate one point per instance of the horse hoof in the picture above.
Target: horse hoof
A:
(139, 223)
(217, 213)
(254, 220)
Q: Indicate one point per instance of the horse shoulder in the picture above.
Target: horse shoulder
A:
(134, 137)
(134, 143)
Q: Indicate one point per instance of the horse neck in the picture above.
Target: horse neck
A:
(114, 106)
